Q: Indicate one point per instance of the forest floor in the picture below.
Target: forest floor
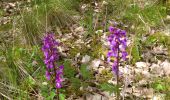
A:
(83, 50)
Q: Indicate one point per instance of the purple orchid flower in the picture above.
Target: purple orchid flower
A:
(51, 56)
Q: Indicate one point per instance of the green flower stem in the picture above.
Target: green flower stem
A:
(117, 77)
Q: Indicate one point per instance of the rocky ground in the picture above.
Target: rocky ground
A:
(135, 78)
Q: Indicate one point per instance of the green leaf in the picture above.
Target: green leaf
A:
(150, 40)
(62, 96)
(69, 71)
(160, 87)
(75, 83)
(108, 87)
(136, 52)
(85, 72)
(31, 81)
(51, 96)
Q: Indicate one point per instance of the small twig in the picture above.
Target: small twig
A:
(5, 96)
(46, 24)
(96, 22)
(105, 26)
(36, 71)
(57, 91)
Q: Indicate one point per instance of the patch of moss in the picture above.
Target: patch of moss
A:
(158, 39)
(161, 84)
(6, 27)
(104, 76)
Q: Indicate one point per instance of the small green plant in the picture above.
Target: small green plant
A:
(108, 87)
(54, 71)
(162, 85)
(86, 74)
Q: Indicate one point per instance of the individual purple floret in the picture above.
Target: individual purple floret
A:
(51, 57)
(117, 42)
(59, 74)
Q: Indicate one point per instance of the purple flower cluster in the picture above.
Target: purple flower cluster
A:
(118, 43)
(51, 56)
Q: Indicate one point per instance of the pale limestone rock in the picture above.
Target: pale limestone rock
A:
(96, 96)
(101, 69)
(158, 96)
(166, 67)
(146, 74)
(105, 3)
(142, 82)
(156, 69)
(79, 29)
(44, 83)
(85, 59)
(112, 82)
(95, 63)
(141, 65)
